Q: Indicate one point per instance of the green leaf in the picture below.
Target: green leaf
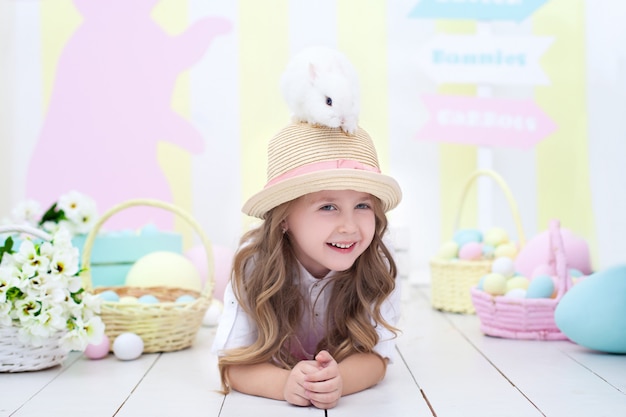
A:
(7, 247)
(13, 294)
(76, 296)
(53, 215)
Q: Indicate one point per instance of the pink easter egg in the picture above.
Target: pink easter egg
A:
(537, 252)
(98, 350)
(471, 251)
(542, 269)
(222, 261)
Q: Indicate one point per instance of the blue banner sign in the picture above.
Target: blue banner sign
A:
(514, 10)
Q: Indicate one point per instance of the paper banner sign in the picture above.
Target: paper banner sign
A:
(512, 10)
(484, 59)
(485, 121)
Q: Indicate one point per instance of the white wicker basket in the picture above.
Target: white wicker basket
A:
(16, 356)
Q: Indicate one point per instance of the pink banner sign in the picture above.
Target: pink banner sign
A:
(485, 121)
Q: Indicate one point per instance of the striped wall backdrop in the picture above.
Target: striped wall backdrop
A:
(231, 97)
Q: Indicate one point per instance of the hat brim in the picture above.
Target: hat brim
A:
(379, 185)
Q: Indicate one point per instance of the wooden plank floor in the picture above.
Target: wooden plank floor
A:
(445, 367)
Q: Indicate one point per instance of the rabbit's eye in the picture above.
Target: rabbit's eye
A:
(329, 101)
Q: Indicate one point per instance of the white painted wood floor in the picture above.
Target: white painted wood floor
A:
(446, 368)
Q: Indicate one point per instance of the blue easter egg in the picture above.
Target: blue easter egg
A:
(541, 286)
(148, 299)
(149, 230)
(593, 312)
(185, 298)
(463, 236)
(109, 295)
(488, 250)
(575, 273)
(481, 281)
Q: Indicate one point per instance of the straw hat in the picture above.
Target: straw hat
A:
(305, 158)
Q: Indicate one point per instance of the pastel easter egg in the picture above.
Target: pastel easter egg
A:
(222, 263)
(504, 266)
(516, 293)
(167, 269)
(506, 249)
(448, 250)
(496, 236)
(517, 282)
(488, 251)
(186, 298)
(148, 299)
(109, 295)
(575, 273)
(480, 283)
(150, 230)
(540, 287)
(471, 251)
(128, 299)
(537, 252)
(127, 346)
(98, 350)
(494, 284)
(593, 312)
(463, 236)
(542, 269)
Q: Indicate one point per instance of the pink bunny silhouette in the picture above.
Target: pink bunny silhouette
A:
(111, 105)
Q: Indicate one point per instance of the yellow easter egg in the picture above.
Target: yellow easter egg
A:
(164, 269)
(506, 249)
(128, 299)
(448, 250)
(496, 236)
(517, 282)
(494, 284)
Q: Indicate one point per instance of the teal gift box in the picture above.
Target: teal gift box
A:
(114, 253)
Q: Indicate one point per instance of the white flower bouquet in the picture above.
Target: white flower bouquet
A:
(74, 211)
(42, 300)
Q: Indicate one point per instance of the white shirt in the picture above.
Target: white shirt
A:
(236, 329)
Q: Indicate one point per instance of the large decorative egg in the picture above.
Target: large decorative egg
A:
(167, 269)
(593, 312)
(222, 264)
(537, 252)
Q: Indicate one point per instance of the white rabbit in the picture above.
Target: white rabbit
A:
(321, 87)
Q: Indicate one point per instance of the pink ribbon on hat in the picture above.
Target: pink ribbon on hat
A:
(322, 166)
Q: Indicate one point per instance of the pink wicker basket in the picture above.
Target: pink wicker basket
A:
(524, 318)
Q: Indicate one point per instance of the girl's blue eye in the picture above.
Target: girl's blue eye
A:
(363, 206)
(327, 207)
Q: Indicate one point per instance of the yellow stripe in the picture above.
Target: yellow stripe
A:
(59, 20)
(456, 162)
(263, 55)
(175, 162)
(562, 159)
(7, 81)
(362, 35)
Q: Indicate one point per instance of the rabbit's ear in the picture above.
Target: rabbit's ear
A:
(312, 72)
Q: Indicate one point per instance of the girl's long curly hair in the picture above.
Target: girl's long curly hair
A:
(264, 285)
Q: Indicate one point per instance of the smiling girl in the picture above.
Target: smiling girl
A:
(310, 311)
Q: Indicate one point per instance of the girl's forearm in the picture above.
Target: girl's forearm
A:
(361, 371)
(263, 380)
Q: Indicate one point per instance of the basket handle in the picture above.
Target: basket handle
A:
(507, 193)
(557, 259)
(19, 228)
(91, 237)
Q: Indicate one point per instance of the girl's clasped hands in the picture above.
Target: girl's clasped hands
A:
(315, 382)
